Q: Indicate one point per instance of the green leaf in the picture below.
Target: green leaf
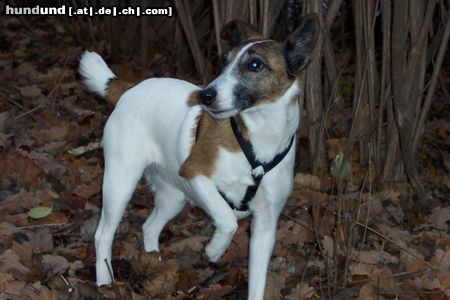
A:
(39, 212)
(341, 167)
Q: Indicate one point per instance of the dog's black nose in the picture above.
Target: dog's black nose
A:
(207, 96)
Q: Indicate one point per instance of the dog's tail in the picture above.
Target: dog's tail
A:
(99, 79)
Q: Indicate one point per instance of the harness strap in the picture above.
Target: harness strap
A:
(257, 175)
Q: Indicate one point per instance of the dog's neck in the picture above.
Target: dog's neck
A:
(271, 126)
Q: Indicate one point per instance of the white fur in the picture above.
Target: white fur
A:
(95, 72)
(150, 133)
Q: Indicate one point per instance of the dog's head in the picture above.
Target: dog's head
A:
(258, 70)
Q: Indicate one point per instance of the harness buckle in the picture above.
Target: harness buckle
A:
(258, 171)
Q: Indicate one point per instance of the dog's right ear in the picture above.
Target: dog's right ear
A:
(237, 31)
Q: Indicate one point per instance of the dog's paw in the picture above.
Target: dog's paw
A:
(213, 253)
(151, 245)
(103, 279)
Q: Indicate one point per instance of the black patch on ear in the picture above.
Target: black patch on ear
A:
(300, 44)
(231, 34)
(237, 31)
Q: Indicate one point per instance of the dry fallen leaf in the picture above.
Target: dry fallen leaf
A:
(88, 190)
(54, 263)
(302, 291)
(30, 91)
(440, 218)
(367, 292)
(374, 257)
(274, 285)
(306, 181)
(10, 261)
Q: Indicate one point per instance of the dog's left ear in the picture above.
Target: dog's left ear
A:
(237, 31)
(300, 44)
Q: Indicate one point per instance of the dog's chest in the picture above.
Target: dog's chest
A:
(232, 175)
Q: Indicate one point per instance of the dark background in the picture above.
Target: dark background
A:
(370, 209)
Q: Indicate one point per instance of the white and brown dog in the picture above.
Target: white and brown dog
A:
(228, 148)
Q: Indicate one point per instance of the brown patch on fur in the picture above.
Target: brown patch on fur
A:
(279, 80)
(193, 99)
(212, 135)
(116, 88)
(242, 128)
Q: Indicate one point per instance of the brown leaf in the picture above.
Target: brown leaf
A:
(57, 133)
(55, 217)
(128, 250)
(88, 190)
(327, 244)
(87, 230)
(161, 276)
(14, 287)
(30, 91)
(42, 240)
(4, 278)
(335, 146)
(361, 269)
(306, 181)
(367, 292)
(21, 166)
(196, 243)
(55, 263)
(291, 233)
(302, 291)
(186, 280)
(440, 218)
(274, 285)
(215, 291)
(24, 252)
(374, 257)
(9, 261)
(307, 197)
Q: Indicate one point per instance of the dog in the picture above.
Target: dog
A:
(228, 148)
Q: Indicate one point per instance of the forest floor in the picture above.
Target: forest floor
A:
(379, 248)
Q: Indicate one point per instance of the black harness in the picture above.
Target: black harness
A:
(257, 175)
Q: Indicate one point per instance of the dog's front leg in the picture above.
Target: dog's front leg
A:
(206, 194)
(263, 231)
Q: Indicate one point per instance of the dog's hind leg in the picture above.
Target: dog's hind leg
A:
(119, 182)
(169, 201)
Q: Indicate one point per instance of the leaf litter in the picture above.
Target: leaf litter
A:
(50, 201)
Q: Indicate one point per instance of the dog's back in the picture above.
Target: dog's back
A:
(153, 121)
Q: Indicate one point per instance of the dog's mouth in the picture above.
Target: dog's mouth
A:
(222, 113)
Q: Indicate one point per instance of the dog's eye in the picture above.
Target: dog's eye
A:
(255, 65)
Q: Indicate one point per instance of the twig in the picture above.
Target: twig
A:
(84, 149)
(410, 293)
(443, 87)
(69, 287)
(14, 102)
(109, 270)
(298, 222)
(6, 231)
(191, 36)
(29, 111)
(395, 243)
(58, 81)
(431, 89)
